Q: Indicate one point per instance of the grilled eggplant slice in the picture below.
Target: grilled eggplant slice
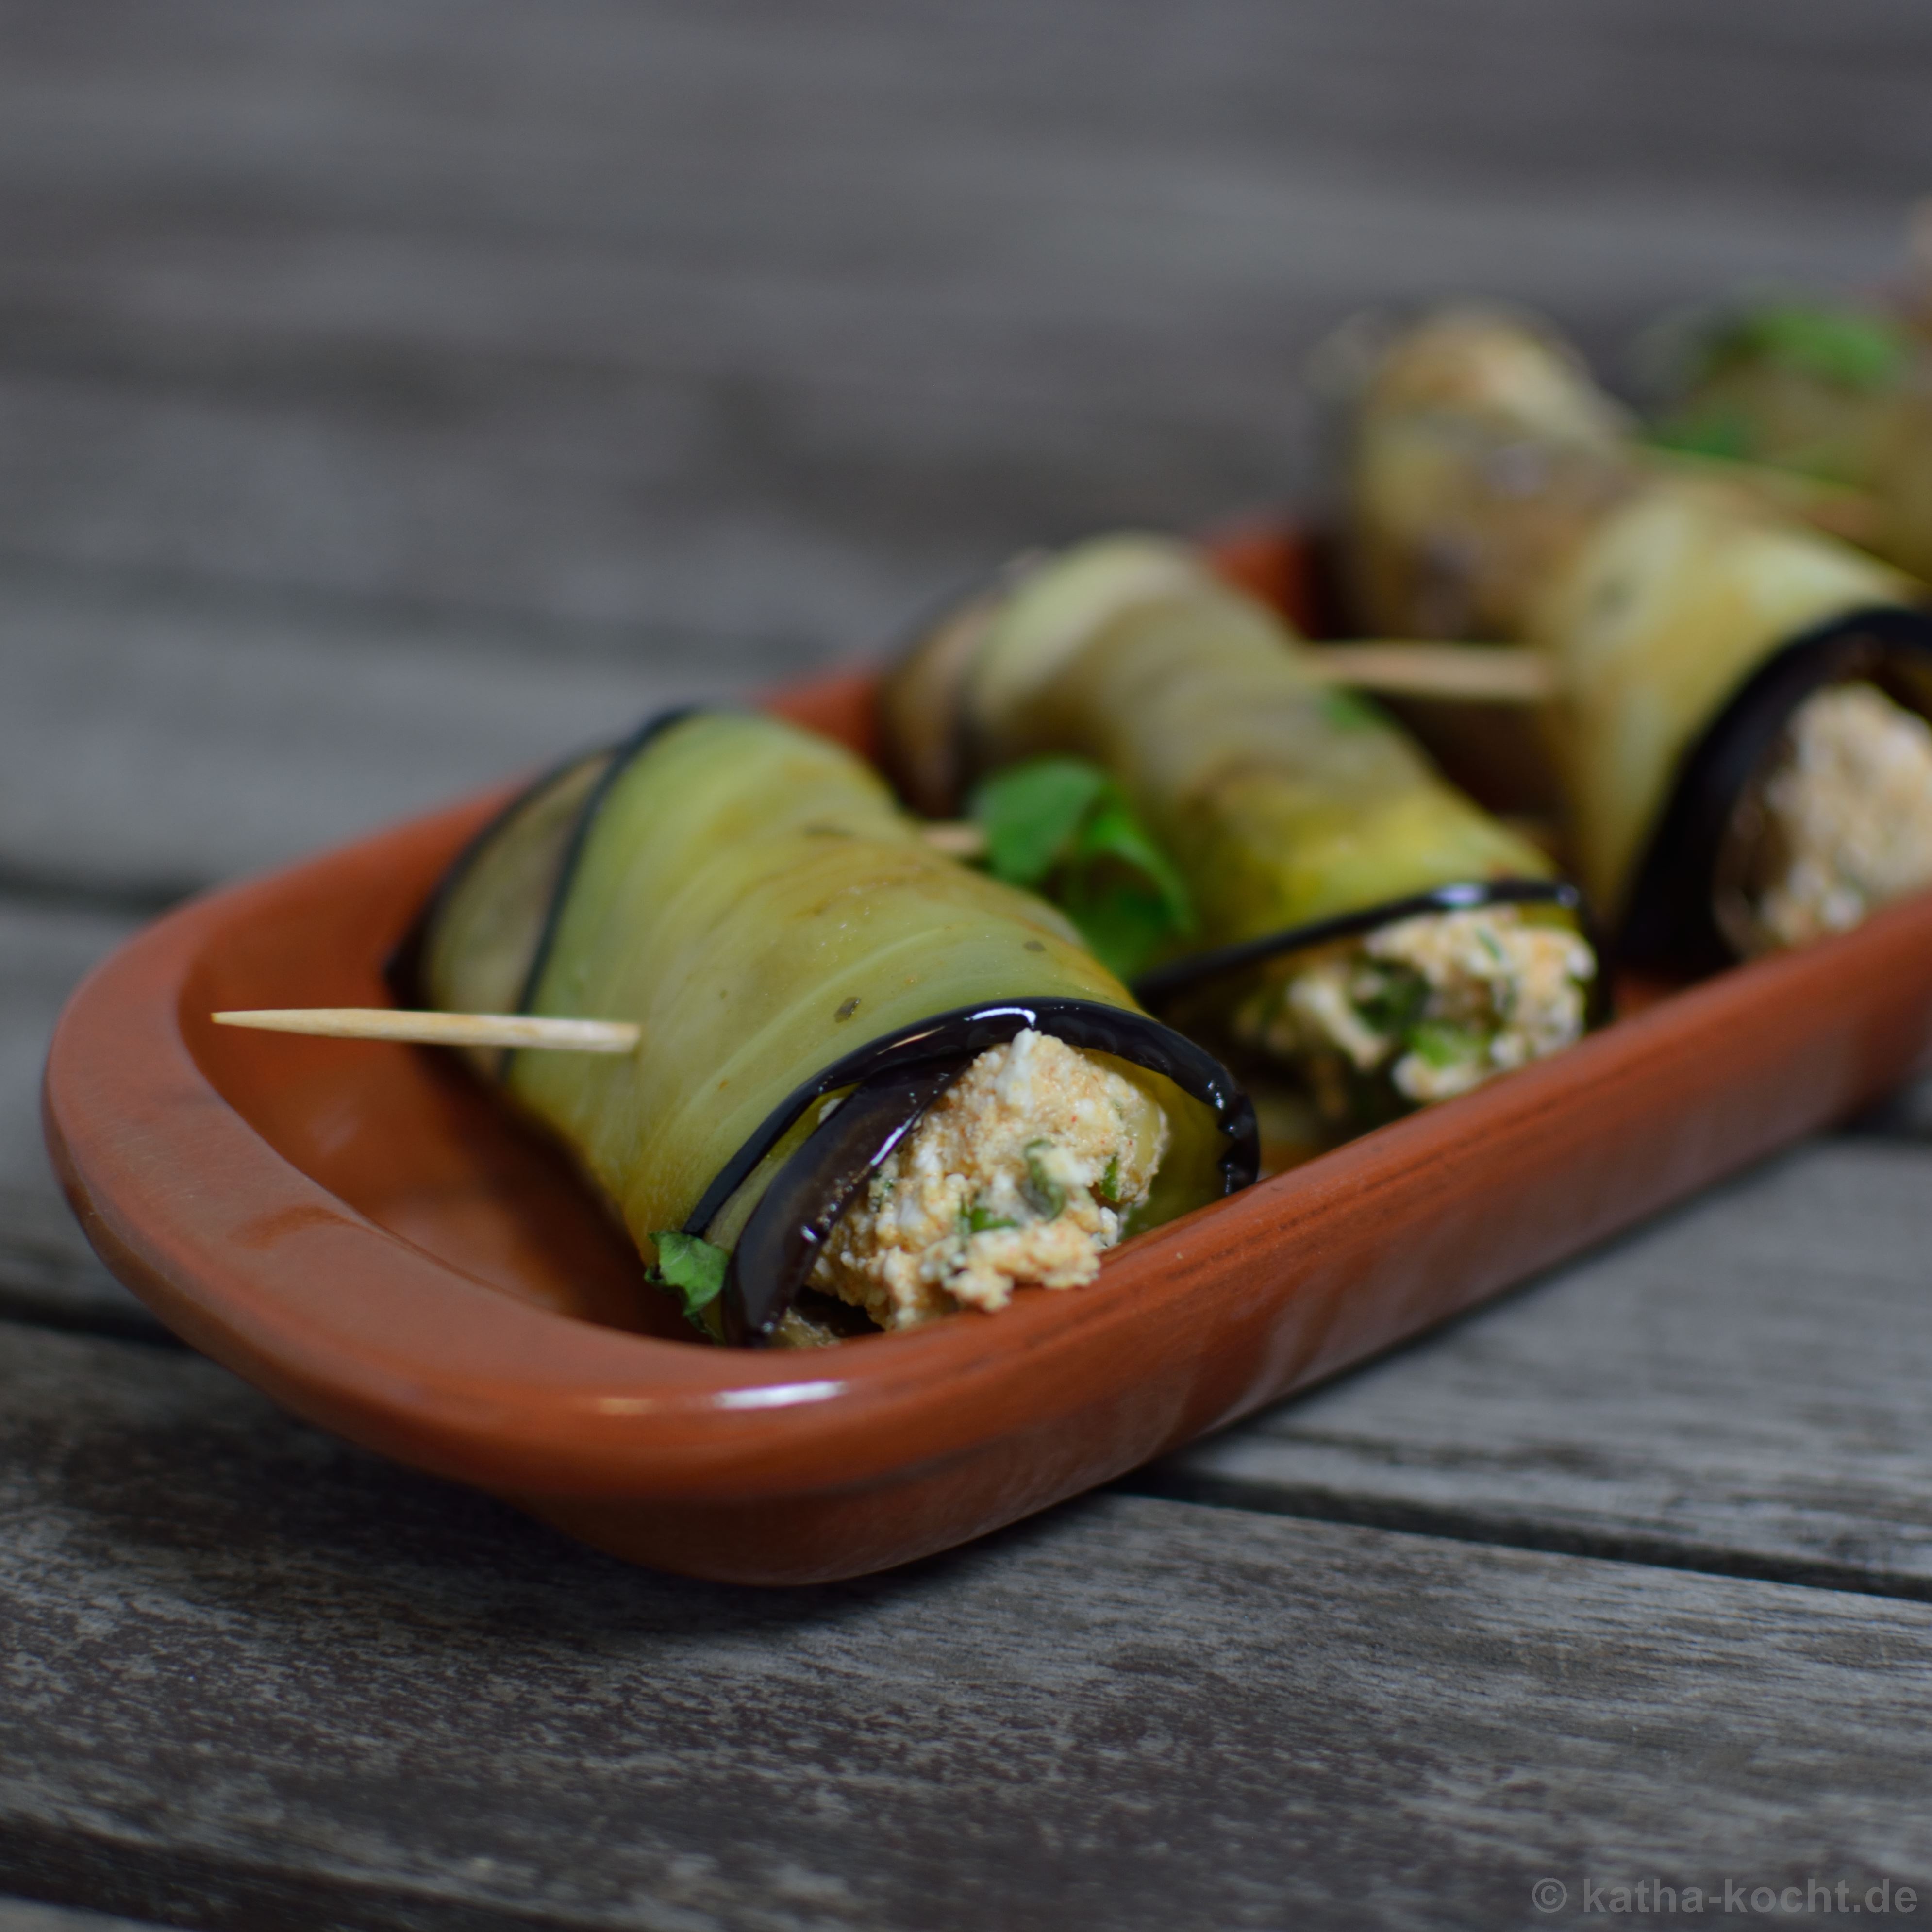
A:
(1359, 922)
(1722, 797)
(821, 994)
(1835, 394)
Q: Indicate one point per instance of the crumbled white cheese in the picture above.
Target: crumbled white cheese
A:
(1848, 813)
(1471, 994)
(1025, 1170)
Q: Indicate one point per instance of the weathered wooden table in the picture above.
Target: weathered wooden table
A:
(393, 392)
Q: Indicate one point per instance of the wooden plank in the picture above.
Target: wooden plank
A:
(509, 321)
(47, 1272)
(1745, 1386)
(1907, 1115)
(257, 1678)
(756, 326)
(20, 1915)
(152, 743)
(155, 742)
(517, 101)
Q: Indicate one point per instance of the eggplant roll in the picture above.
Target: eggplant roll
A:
(1838, 394)
(1737, 733)
(1359, 922)
(878, 1079)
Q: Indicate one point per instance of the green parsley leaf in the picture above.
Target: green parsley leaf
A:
(1032, 814)
(1061, 826)
(1124, 925)
(1707, 430)
(1856, 349)
(1043, 1191)
(691, 1267)
(1111, 831)
(1396, 1003)
(1442, 1044)
(1109, 1191)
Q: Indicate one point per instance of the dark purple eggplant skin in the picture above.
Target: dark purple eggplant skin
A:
(899, 1077)
(628, 751)
(1670, 926)
(779, 1245)
(403, 970)
(1162, 983)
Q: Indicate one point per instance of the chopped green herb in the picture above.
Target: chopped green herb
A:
(979, 1220)
(1442, 1044)
(1061, 826)
(1109, 1189)
(1856, 350)
(1393, 1003)
(1714, 429)
(691, 1267)
(1043, 1191)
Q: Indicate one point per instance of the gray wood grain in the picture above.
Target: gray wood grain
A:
(1906, 1115)
(47, 1272)
(153, 743)
(756, 323)
(713, 342)
(20, 1915)
(256, 1677)
(1745, 1386)
(393, 394)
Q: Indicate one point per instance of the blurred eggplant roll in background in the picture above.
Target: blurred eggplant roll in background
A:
(1737, 731)
(873, 1086)
(1360, 938)
(1837, 397)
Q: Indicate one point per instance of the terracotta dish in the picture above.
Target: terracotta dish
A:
(361, 1233)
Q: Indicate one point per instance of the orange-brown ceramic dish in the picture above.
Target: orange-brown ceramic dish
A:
(372, 1240)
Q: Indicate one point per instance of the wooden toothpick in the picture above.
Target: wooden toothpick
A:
(440, 1029)
(1462, 673)
(1468, 673)
(957, 839)
(1837, 508)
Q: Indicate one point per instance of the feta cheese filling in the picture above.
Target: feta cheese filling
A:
(1024, 1171)
(1843, 823)
(1433, 1006)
